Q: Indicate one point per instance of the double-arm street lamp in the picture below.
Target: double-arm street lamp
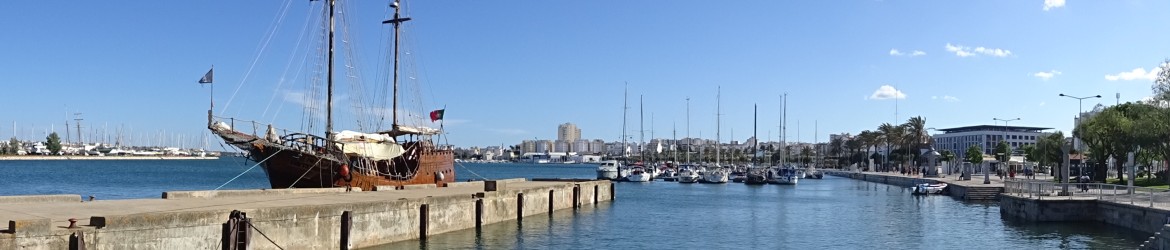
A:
(1003, 157)
(1080, 109)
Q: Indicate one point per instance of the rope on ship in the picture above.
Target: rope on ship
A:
(249, 169)
(294, 184)
(460, 164)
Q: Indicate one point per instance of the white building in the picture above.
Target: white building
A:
(957, 140)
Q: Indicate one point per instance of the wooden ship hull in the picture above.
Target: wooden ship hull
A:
(306, 161)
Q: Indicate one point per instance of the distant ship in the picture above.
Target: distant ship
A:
(401, 155)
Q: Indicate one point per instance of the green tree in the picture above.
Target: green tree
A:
(1161, 86)
(1030, 153)
(1003, 151)
(974, 154)
(947, 155)
(54, 143)
(891, 136)
(13, 146)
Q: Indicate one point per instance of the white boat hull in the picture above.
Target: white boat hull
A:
(715, 177)
(643, 177)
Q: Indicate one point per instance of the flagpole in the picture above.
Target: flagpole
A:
(212, 94)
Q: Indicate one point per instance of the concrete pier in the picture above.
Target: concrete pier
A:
(970, 190)
(291, 218)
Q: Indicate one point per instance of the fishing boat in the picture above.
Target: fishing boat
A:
(396, 155)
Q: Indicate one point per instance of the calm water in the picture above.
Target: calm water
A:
(833, 213)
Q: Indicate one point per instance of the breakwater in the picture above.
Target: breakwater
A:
(289, 219)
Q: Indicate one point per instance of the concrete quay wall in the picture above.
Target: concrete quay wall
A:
(315, 223)
(1144, 219)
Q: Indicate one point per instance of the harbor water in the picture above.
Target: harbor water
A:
(832, 213)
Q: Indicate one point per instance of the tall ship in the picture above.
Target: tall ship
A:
(377, 155)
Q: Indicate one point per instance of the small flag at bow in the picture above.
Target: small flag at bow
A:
(206, 77)
(437, 115)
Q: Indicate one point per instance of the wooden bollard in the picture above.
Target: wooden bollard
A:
(346, 226)
(422, 222)
(595, 193)
(77, 241)
(576, 196)
(550, 203)
(520, 207)
(478, 214)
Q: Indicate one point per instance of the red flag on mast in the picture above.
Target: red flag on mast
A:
(437, 115)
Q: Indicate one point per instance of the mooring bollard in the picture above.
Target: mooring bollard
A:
(519, 207)
(346, 225)
(550, 203)
(77, 241)
(478, 214)
(422, 222)
(576, 196)
(595, 198)
(236, 234)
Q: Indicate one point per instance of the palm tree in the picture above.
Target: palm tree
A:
(916, 134)
(891, 135)
(836, 147)
(853, 145)
(868, 139)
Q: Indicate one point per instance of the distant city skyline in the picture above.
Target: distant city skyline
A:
(848, 66)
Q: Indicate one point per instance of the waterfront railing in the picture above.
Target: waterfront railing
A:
(1045, 190)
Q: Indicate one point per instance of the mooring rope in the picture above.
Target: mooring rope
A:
(249, 169)
(306, 172)
(469, 170)
(265, 236)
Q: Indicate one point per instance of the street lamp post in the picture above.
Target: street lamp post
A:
(1080, 109)
(1004, 157)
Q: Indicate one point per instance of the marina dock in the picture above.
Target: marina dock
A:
(971, 190)
(329, 218)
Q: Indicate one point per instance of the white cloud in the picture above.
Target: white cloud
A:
(965, 51)
(887, 92)
(896, 52)
(1052, 4)
(1042, 103)
(1045, 75)
(1135, 74)
(950, 98)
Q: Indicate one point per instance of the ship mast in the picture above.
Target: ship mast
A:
(329, 79)
(395, 21)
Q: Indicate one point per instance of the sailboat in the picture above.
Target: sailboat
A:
(400, 155)
(755, 174)
(716, 174)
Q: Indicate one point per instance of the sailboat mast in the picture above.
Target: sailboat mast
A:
(755, 139)
(689, 141)
(625, 106)
(394, 99)
(329, 78)
(718, 90)
(641, 131)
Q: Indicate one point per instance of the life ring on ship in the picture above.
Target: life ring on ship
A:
(345, 172)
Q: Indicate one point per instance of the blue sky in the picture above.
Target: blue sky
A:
(509, 71)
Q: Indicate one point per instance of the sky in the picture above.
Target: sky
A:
(507, 71)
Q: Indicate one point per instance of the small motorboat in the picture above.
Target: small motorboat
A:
(927, 188)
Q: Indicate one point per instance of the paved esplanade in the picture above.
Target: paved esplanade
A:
(60, 212)
(976, 179)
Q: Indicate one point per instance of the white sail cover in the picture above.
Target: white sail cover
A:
(408, 130)
(374, 146)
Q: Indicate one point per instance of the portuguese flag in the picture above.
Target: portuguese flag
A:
(437, 115)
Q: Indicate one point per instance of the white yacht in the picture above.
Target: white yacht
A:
(638, 174)
(608, 170)
(783, 175)
(689, 174)
(716, 175)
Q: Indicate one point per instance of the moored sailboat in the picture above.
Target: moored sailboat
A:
(396, 156)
